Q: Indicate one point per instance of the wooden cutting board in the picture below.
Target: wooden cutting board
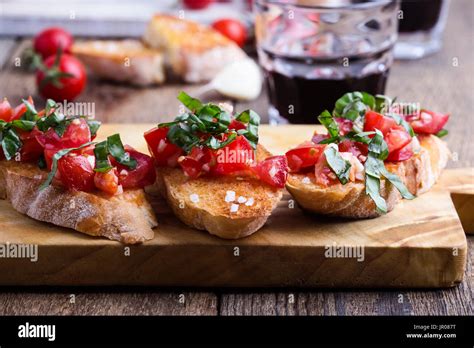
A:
(420, 244)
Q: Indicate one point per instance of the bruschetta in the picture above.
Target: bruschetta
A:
(53, 171)
(194, 52)
(212, 171)
(371, 157)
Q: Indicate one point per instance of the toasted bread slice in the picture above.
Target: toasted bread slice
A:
(419, 174)
(127, 217)
(194, 52)
(201, 203)
(122, 60)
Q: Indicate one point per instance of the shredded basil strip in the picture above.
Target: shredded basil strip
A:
(442, 133)
(23, 124)
(337, 163)
(11, 143)
(191, 103)
(327, 120)
(54, 166)
(117, 151)
(101, 152)
(93, 126)
(30, 114)
(352, 105)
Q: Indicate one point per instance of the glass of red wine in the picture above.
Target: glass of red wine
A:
(421, 25)
(314, 51)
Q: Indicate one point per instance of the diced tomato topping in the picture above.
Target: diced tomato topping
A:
(304, 156)
(236, 158)
(21, 109)
(6, 111)
(358, 149)
(76, 172)
(396, 139)
(428, 122)
(30, 150)
(345, 125)
(273, 171)
(324, 176)
(401, 154)
(107, 182)
(143, 175)
(164, 152)
(191, 167)
(77, 133)
(374, 120)
(237, 125)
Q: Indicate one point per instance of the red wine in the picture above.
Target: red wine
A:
(419, 15)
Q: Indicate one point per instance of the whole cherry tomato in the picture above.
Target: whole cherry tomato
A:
(232, 29)
(50, 40)
(197, 4)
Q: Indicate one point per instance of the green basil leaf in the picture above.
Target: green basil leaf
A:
(30, 114)
(50, 105)
(50, 121)
(382, 103)
(372, 188)
(249, 116)
(327, 120)
(442, 133)
(354, 110)
(191, 103)
(401, 121)
(42, 162)
(350, 98)
(54, 166)
(93, 126)
(338, 164)
(101, 152)
(395, 180)
(11, 144)
(23, 124)
(117, 151)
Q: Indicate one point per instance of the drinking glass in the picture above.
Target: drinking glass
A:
(314, 51)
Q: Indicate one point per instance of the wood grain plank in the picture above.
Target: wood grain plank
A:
(105, 301)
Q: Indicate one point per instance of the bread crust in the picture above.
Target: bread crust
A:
(122, 61)
(127, 217)
(200, 203)
(419, 174)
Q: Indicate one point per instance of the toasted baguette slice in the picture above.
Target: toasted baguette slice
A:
(127, 217)
(123, 61)
(419, 174)
(194, 52)
(201, 203)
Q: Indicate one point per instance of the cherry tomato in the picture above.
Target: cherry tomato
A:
(396, 139)
(30, 150)
(50, 40)
(273, 171)
(76, 134)
(236, 158)
(163, 151)
(69, 87)
(143, 175)
(402, 154)
(374, 120)
(304, 156)
(76, 172)
(232, 29)
(197, 4)
(107, 182)
(428, 122)
(6, 111)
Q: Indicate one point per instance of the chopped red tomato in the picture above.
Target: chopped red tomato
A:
(191, 167)
(237, 125)
(77, 133)
(304, 156)
(164, 152)
(199, 161)
(374, 120)
(324, 176)
(428, 122)
(345, 125)
(30, 150)
(107, 182)
(401, 154)
(273, 171)
(76, 172)
(235, 158)
(21, 109)
(358, 149)
(6, 111)
(143, 175)
(396, 139)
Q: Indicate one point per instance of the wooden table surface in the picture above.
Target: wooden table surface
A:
(443, 82)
